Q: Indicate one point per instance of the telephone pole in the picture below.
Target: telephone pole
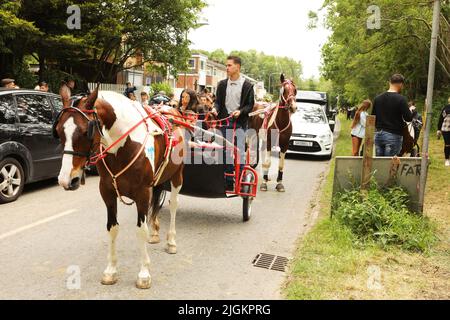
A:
(429, 103)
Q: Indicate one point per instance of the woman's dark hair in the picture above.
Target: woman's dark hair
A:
(193, 100)
(364, 106)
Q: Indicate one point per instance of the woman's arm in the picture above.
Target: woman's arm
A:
(441, 119)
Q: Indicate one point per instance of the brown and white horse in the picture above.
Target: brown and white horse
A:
(131, 168)
(275, 126)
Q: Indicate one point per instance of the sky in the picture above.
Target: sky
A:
(275, 27)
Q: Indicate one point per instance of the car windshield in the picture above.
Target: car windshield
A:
(310, 113)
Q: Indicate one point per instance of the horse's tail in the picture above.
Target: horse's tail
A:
(154, 205)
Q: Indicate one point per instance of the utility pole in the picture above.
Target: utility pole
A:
(429, 103)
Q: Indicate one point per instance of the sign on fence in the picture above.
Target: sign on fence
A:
(404, 172)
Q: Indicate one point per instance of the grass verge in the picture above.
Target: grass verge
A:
(330, 264)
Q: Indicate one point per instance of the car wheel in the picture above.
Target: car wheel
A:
(12, 180)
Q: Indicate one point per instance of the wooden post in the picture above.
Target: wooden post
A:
(368, 153)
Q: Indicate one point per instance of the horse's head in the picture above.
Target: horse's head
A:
(76, 127)
(288, 94)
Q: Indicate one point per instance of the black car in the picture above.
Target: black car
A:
(28, 150)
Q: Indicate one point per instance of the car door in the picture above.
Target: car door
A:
(35, 115)
(8, 130)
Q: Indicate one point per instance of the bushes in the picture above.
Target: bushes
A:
(382, 217)
(157, 87)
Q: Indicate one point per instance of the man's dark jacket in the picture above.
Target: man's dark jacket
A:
(247, 101)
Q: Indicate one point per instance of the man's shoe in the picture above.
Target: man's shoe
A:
(447, 163)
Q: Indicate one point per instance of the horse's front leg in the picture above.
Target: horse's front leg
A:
(110, 273)
(267, 161)
(153, 214)
(171, 235)
(144, 279)
(280, 186)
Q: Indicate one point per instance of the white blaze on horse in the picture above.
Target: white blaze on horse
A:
(134, 154)
(274, 126)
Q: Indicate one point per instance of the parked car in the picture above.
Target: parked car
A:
(28, 150)
(312, 133)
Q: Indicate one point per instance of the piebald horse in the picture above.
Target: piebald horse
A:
(275, 125)
(133, 162)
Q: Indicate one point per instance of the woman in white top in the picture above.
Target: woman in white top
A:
(359, 126)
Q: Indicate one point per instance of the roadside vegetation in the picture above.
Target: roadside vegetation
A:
(373, 247)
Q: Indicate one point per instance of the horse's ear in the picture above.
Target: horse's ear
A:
(282, 78)
(90, 101)
(65, 95)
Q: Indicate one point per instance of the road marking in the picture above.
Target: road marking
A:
(35, 224)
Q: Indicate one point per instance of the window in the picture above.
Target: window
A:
(57, 103)
(202, 65)
(191, 63)
(34, 109)
(7, 114)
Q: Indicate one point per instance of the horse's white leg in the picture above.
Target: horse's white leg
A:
(171, 235)
(144, 279)
(267, 162)
(280, 187)
(110, 273)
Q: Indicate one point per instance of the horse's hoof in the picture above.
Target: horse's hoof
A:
(144, 283)
(263, 187)
(154, 240)
(109, 279)
(280, 188)
(171, 249)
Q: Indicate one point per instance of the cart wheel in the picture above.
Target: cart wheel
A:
(247, 208)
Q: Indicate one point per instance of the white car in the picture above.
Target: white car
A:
(312, 132)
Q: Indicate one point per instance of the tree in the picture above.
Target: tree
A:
(112, 33)
(359, 60)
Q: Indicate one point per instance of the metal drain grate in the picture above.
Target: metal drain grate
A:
(271, 262)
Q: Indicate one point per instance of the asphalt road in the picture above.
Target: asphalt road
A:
(52, 240)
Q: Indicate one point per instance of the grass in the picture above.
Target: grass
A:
(330, 265)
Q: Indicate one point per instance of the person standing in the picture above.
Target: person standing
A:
(444, 130)
(359, 126)
(391, 110)
(235, 99)
(130, 89)
(144, 99)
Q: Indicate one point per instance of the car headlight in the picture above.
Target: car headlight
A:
(326, 138)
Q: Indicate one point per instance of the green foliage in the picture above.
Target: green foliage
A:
(360, 61)
(111, 33)
(382, 217)
(157, 87)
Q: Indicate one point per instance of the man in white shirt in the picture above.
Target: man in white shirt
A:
(236, 98)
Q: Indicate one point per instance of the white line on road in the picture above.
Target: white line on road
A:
(35, 224)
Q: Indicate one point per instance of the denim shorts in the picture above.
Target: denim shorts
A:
(387, 144)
